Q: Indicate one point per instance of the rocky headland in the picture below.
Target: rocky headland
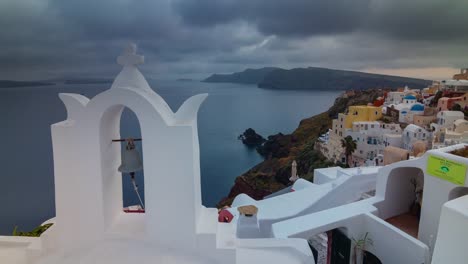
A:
(250, 138)
(280, 150)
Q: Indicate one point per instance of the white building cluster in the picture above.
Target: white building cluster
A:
(371, 139)
(425, 123)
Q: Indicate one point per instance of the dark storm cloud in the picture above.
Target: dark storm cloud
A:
(68, 37)
(279, 17)
(435, 20)
(399, 19)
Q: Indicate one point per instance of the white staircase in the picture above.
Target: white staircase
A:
(219, 241)
(216, 239)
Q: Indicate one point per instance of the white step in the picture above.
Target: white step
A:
(208, 221)
(226, 236)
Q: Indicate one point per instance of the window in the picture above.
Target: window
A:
(424, 134)
(371, 126)
(414, 134)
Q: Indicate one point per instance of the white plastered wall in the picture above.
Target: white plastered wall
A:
(436, 193)
(89, 187)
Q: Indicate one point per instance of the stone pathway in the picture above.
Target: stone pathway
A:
(320, 243)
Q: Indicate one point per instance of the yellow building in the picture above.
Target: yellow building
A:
(362, 113)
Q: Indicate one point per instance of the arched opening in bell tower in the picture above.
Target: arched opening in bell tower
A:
(132, 188)
(117, 124)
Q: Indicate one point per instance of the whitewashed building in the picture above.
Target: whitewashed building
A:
(413, 133)
(454, 85)
(408, 108)
(446, 119)
(414, 211)
(371, 140)
(456, 134)
(394, 98)
(394, 140)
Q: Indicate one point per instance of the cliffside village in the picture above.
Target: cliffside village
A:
(400, 125)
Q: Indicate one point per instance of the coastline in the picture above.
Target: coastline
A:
(272, 174)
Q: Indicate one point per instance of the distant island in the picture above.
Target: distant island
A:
(11, 84)
(313, 78)
(185, 80)
(249, 76)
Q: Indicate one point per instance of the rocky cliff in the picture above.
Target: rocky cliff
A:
(313, 78)
(280, 150)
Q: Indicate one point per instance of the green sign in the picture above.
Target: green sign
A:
(448, 170)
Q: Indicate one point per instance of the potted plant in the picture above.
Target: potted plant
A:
(360, 246)
(415, 207)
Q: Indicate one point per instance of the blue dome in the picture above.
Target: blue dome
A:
(409, 97)
(417, 107)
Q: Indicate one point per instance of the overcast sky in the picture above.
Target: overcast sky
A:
(43, 39)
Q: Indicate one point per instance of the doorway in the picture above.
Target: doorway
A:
(458, 192)
(404, 198)
(340, 247)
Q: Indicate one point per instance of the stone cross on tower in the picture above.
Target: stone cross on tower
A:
(129, 57)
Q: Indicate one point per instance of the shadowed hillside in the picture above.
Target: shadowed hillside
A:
(316, 79)
(280, 150)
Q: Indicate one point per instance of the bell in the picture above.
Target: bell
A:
(131, 160)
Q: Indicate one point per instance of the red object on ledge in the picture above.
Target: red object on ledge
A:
(224, 216)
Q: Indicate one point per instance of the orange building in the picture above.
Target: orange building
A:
(446, 104)
(463, 75)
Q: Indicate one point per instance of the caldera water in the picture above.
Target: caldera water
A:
(26, 113)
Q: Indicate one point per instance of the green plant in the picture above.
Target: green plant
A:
(309, 159)
(360, 246)
(350, 145)
(36, 232)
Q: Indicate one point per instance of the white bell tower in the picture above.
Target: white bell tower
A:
(88, 185)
